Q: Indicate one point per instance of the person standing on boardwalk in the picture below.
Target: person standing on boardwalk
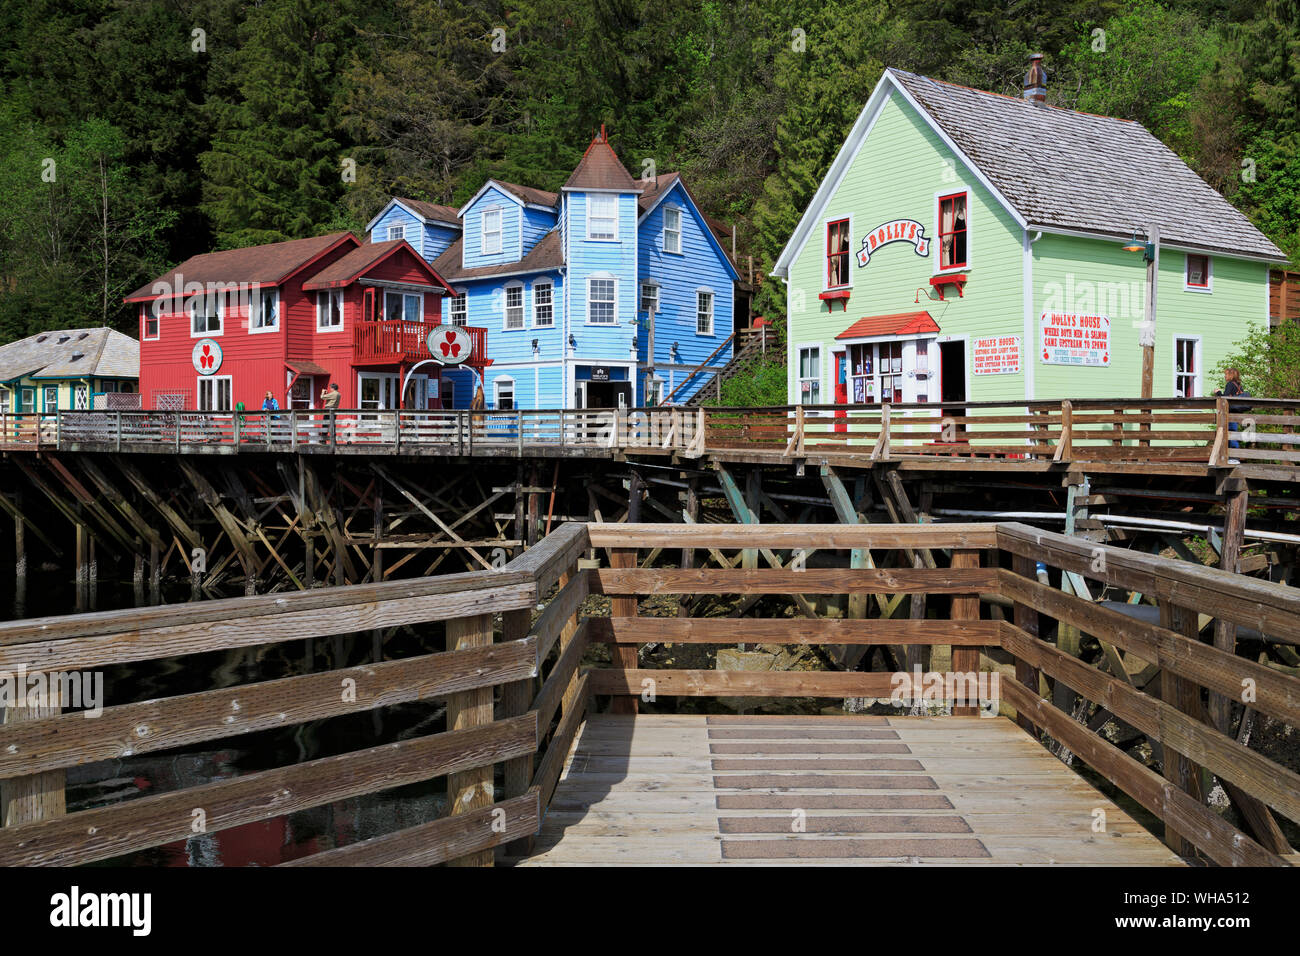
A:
(1231, 389)
(330, 400)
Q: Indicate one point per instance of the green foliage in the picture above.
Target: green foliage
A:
(1269, 362)
(758, 382)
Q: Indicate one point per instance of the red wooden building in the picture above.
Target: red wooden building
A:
(291, 318)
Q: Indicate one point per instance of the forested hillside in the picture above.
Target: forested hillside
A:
(134, 134)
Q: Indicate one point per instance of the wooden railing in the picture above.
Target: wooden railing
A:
(402, 341)
(1210, 432)
(546, 691)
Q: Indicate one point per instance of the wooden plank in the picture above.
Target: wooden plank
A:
(156, 820)
(644, 581)
(785, 537)
(439, 840)
(965, 607)
(516, 699)
(471, 789)
(559, 611)
(558, 680)
(66, 740)
(704, 683)
(624, 656)
(721, 630)
(552, 763)
(553, 555)
(1219, 840)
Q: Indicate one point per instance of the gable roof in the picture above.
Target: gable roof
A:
(1057, 169)
(546, 255)
(657, 189)
(524, 195)
(268, 265)
(901, 323)
(345, 271)
(71, 353)
(426, 212)
(600, 168)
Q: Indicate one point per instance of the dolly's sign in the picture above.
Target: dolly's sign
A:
(900, 230)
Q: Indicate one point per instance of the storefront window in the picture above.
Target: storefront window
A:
(810, 376)
(862, 379)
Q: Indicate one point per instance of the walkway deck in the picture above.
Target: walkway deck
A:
(876, 791)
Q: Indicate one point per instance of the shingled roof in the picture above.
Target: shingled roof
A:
(432, 211)
(1070, 170)
(352, 266)
(538, 197)
(600, 168)
(548, 253)
(71, 353)
(268, 264)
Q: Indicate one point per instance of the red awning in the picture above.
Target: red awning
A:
(903, 323)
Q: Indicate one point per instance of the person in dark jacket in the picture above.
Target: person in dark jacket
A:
(1231, 389)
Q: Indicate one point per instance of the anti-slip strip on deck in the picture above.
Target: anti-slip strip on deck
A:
(809, 748)
(880, 823)
(816, 764)
(824, 781)
(833, 849)
(759, 720)
(832, 801)
(795, 733)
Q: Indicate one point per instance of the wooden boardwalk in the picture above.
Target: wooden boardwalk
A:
(872, 790)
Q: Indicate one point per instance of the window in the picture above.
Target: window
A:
(649, 297)
(861, 373)
(150, 320)
(50, 398)
(27, 399)
(1187, 367)
(837, 254)
(891, 371)
(704, 313)
(266, 311)
(214, 393)
(952, 232)
(600, 301)
(205, 315)
(406, 306)
(505, 394)
(672, 229)
(490, 241)
(655, 391)
(810, 376)
(447, 392)
(396, 232)
(602, 216)
(5, 398)
(514, 307)
(329, 310)
(302, 394)
(81, 397)
(458, 313)
(1198, 272)
(543, 306)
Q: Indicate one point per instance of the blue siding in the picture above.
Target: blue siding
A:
(590, 258)
(536, 224)
(700, 265)
(472, 220)
(395, 215)
(437, 237)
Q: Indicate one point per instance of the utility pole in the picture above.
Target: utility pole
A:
(1147, 338)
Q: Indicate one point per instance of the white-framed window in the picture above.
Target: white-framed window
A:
(396, 232)
(214, 393)
(602, 308)
(810, 375)
(150, 324)
(490, 239)
(81, 397)
(206, 312)
(1187, 367)
(650, 297)
(50, 398)
(301, 394)
(673, 230)
(543, 305)
(27, 399)
(1198, 276)
(654, 391)
(703, 312)
(5, 398)
(458, 310)
(602, 216)
(403, 306)
(504, 391)
(514, 318)
(264, 311)
(329, 310)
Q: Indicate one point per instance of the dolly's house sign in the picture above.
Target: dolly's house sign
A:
(1073, 339)
(206, 356)
(900, 230)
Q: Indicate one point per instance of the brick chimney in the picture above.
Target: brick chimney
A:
(1036, 80)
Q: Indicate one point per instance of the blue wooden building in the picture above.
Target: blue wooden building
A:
(569, 284)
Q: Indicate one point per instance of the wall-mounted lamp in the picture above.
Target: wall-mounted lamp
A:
(536, 349)
(1144, 246)
(573, 342)
(933, 298)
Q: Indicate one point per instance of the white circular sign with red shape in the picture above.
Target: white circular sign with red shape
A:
(206, 356)
(450, 344)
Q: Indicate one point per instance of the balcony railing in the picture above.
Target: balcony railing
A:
(375, 343)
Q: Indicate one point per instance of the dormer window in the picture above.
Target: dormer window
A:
(602, 216)
(673, 230)
(490, 241)
(396, 232)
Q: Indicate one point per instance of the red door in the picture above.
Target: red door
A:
(841, 388)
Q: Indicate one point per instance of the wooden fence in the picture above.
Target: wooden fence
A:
(1209, 432)
(543, 690)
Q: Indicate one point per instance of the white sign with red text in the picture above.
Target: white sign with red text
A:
(999, 355)
(1070, 338)
(900, 230)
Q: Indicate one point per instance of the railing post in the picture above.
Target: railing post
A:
(469, 789)
(118, 444)
(1064, 445)
(333, 429)
(236, 420)
(624, 656)
(1185, 695)
(516, 699)
(397, 431)
(966, 660)
(1219, 453)
(293, 430)
(39, 796)
(519, 431)
(1026, 618)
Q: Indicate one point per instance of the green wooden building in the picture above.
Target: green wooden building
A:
(968, 246)
(66, 369)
